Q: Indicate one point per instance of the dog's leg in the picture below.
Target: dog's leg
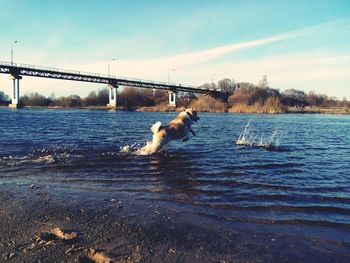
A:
(192, 132)
(186, 136)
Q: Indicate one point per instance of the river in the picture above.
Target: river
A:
(300, 187)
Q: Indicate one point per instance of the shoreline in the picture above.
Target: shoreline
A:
(113, 229)
(125, 230)
(290, 110)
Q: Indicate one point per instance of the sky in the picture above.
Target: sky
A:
(297, 44)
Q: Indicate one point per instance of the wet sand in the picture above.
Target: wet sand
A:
(121, 230)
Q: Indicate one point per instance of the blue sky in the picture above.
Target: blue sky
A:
(297, 44)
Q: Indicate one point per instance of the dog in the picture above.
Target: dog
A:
(177, 129)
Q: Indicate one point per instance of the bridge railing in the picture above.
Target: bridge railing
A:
(67, 71)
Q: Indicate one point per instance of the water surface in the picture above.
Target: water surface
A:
(301, 187)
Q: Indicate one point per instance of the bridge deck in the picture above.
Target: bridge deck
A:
(57, 73)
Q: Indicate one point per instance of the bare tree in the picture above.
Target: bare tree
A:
(160, 96)
(263, 83)
(245, 85)
(4, 99)
(205, 86)
(227, 86)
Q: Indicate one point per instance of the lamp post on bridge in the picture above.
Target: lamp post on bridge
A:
(169, 75)
(109, 67)
(12, 52)
(212, 79)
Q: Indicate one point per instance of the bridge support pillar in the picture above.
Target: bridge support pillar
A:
(172, 99)
(15, 95)
(112, 96)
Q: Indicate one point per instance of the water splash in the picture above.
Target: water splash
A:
(250, 138)
(149, 148)
(45, 155)
(128, 148)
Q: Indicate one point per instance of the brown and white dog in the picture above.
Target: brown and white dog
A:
(177, 129)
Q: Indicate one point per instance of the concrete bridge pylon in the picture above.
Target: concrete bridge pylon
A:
(172, 99)
(15, 103)
(113, 93)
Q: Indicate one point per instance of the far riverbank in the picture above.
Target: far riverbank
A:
(165, 108)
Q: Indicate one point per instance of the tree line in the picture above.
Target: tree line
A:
(129, 98)
(242, 97)
(245, 97)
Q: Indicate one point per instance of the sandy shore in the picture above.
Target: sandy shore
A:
(121, 230)
(112, 230)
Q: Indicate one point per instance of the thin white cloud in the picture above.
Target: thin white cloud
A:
(203, 56)
(209, 54)
(161, 66)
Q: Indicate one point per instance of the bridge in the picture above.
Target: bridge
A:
(17, 71)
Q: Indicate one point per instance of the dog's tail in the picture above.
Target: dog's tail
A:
(155, 127)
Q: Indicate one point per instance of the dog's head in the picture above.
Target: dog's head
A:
(193, 114)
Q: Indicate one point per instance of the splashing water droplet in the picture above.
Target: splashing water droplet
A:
(249, 138)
